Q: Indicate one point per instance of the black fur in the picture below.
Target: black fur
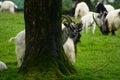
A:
(100, 8)
(104, 28)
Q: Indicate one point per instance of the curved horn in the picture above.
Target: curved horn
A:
(95, 20)
(67, 18)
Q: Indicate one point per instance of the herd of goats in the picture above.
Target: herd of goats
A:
(106, 18)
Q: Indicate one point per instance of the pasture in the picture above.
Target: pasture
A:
(98, 56)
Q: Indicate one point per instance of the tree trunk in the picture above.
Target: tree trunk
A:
(44, 56)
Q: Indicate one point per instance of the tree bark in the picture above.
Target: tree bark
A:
(44, 56)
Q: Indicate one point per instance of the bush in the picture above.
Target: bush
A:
(66, 5)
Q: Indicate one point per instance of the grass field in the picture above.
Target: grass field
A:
(98, 56)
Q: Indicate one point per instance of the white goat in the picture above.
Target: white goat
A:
(81, 10)
(8, 5)
(20, 46)
(2, 66)
(109, 7)
(112, 22)
(88, 21)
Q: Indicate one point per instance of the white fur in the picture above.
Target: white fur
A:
(8, 5)
(69, 48)
(109, 7)
(88, 21)
(81, 10)
(113, 20)
(2, 66)
(20, 46)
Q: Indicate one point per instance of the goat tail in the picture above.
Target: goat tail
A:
(12, 38)
(15, 6)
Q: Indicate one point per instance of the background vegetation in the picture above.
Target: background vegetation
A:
(91, 3)
(98, 56)
(67, 4)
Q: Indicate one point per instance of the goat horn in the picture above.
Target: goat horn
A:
(67, 18)
(95, 20)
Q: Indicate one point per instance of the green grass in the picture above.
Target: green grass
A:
(98, 56)
(10, 25)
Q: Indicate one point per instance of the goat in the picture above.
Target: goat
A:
(20, 46)
(8, 5)
(101, 8)
(81, 10)
(111, 22)
(2, 66)
(88, 20)
(70, 37)
(0, 4)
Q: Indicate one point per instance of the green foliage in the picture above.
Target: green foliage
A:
(66, 5)
(19, 3)
(10, 25)
(97, 58)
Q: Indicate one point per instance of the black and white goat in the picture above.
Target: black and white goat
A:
(70, 38)
(72, 31)
(100, 8)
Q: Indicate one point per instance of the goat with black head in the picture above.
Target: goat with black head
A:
(72, 29)
(100, 8)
